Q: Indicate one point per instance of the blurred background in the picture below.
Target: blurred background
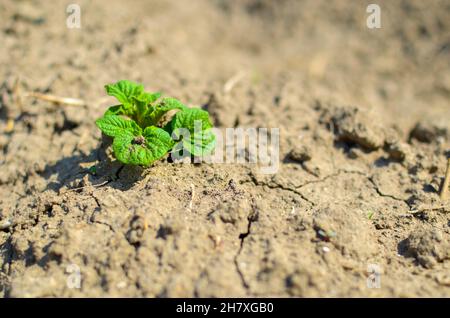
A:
(189, 48)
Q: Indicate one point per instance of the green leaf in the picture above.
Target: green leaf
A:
(113, 126)
(155, 113)
(141, 107)
(124, 91)
(158, 139)
(115, 110)
(188, 118)
(172, 103)
(144, 107)
(144, 100)
(197, 122)
(150, 97)
(142, 150)
(201, 144)
(122, 146)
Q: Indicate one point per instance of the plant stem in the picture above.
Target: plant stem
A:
(446, 183)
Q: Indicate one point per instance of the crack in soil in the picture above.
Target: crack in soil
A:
(282, 187)
(97, 210)
(5, 271)
(332, 175)
(251, 218)
(381, 194)
(320, 180)
(197, 281)
(277, 185)
(105, 224)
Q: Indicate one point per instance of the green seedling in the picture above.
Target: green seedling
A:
(92, 170)
(326, 235)
(139, 136)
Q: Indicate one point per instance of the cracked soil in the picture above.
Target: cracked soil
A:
(364, 140)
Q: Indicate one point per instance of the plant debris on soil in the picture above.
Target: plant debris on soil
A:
(364, 143)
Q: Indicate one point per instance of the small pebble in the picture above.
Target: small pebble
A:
(121, 285)
(5, 224)
(300, 154)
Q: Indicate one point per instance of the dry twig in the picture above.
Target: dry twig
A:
(192, 197)
(446, 183)
(56, 99)
(233, 81)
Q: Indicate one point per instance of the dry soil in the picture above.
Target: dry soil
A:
(365, 135)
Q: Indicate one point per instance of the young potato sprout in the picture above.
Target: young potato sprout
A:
(139, 138)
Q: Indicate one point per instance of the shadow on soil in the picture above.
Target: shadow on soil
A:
(94, 169)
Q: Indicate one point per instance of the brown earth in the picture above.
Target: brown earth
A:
(365, 133)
